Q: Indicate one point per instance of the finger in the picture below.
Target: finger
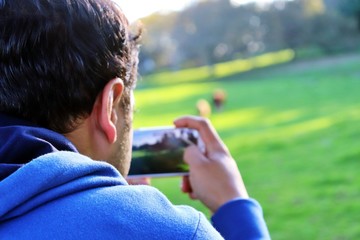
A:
(193, 196)
(194, 157)
(201, 124)
(139, 181)
(207, 132)
(185, 185)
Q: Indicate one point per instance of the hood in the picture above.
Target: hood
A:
(21, 142)
(51, 177)
(38, 166)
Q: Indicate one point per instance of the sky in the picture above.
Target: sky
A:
(135, 9)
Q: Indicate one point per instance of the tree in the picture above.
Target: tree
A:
(313, 7)
(351, 8)
(214, 31)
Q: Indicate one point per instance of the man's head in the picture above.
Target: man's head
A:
(57, 57)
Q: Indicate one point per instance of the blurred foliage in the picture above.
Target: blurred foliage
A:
(351, 8)
(214, 31)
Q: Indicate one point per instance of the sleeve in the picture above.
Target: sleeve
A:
(241, 219)
(205, 230)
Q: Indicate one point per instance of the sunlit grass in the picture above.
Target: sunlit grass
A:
(282, 117)
(187, 75)
(243, 65)
(236, 118)
(295, 138)
(173, 94)
(222, 69)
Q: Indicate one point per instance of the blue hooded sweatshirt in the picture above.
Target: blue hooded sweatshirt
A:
(50, 191)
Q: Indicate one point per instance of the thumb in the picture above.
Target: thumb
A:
(193, 156)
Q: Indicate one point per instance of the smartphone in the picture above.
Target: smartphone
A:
(158, 151)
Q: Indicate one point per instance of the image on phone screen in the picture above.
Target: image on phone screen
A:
(158, 151)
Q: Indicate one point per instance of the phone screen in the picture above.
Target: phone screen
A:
(158, 151)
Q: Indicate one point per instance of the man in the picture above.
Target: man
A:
(67, 74)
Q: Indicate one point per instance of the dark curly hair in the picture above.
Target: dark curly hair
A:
(56, 56)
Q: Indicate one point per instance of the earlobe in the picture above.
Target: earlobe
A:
(110, 99)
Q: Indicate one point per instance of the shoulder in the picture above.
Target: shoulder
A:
(132, 212)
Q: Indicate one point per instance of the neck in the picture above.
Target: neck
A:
(89, 140)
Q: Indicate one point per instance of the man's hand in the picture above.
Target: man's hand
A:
(138, 181)
(213, 178)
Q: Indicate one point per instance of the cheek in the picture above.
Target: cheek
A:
(121, 152)
(131, 139)
(132, 102)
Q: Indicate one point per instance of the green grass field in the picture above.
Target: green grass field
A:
(294, 131)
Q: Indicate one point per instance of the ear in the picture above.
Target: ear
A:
(108, 115)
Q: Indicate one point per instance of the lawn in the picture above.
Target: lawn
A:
(294, 131)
